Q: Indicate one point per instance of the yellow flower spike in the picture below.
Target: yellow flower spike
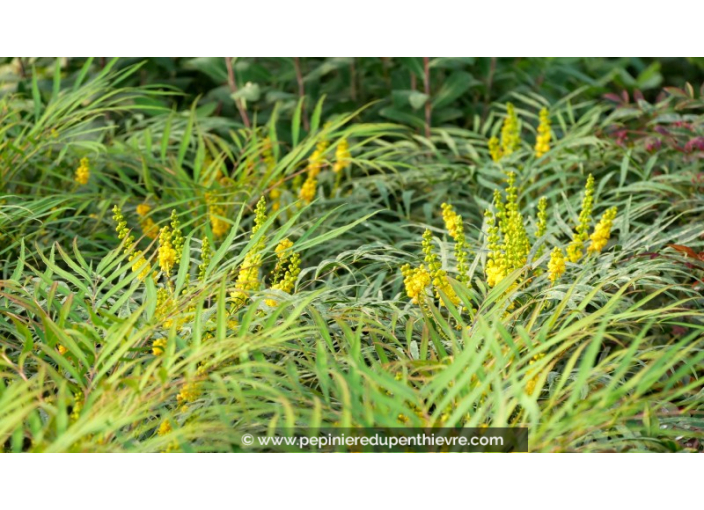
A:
(556, 266)
(542, 142)
(122, 231)
(260, 216)
(516, 244)
(191, 390)
(83, 172)
(316, 159)
(542, 218)
(576, 247)
(247, 279)
(143, 209)
(167, 254)
(136, 258)
(158, 346)
(510, 132)
(438, 277)
(315, 162)
(176, 236)
(164, 428)
(78, 399)
(494, 273)
(533, 379)
(540, 231)
(499, 206)
(342, 156)
(453, 221)
(275, 195)
(416, 281)
(430, 258)
(248, 275)
(189, 393)
(495, 149)
(495, 266)
(149, 228)
(139, 264)
(507, 238)
(162, 296)
(307, 191)
(455, 227)
(288, 267)
(602, 232)
(219, 226)
(205, 254)
(282, 247)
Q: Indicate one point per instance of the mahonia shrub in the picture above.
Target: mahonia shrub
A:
(171, 253)
(510, 245)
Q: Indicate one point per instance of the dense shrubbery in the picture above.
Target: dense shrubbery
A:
(173, 279)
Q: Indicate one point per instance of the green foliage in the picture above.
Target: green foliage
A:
(223, 304)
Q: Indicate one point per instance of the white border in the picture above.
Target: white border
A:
(207, 481)
(363, 28)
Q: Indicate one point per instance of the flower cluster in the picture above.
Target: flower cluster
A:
(438, 276)
(495, 268)
(576, 247)
(136, 257)
(216, 213)
(148, 226)
(542, 142)
(191, 391)
(510, 131)
(315, 162)
(158, 346)
(508, 241)
(307, 192)
(167, 253)
(288, 267)
(416, 280)
(205, 254)
(531, 376)
(542, 227)
(556, 265)
(495, 149)
(164, 428)
(83, 172)
(342, 156)
(248, 275)
(455, 228)
(510, 136)
(602, 231)
(176, 236)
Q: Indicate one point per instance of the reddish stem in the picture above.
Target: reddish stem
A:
(426, 86)
(233, 87)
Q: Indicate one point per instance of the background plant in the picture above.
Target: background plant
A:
(96, 354)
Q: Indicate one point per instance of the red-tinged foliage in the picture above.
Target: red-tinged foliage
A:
(688, 252)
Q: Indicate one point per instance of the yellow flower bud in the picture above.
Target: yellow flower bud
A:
(542, 142)
(602, 231)
(83, 172)
(556, 266)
